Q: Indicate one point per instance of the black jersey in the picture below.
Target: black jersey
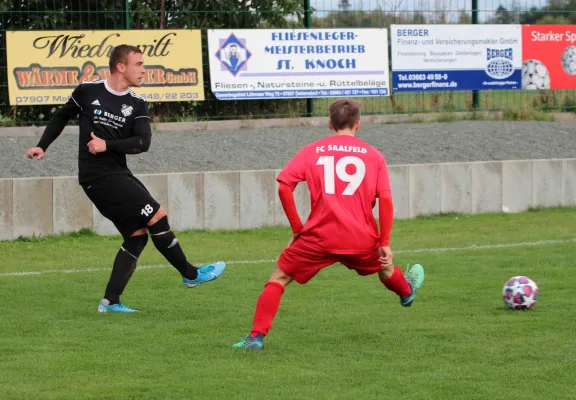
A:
(120, 118)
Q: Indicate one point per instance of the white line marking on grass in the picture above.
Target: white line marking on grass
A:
(486, 246)
(233, 262)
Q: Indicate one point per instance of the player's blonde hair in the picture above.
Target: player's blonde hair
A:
(344, 113)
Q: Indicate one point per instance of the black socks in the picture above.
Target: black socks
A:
(125, 261)
(124, 266)
(167, 244)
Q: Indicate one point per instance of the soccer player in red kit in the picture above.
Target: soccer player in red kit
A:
(345, 175)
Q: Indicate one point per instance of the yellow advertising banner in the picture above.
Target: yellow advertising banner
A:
(44, 67)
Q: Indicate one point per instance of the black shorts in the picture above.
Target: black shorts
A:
(124, 200)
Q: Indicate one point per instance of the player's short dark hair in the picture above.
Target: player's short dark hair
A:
(344, 113)
(120, 53)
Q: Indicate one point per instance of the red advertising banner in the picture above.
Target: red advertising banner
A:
(548, 56)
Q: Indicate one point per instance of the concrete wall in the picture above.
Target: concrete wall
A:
(248, 199)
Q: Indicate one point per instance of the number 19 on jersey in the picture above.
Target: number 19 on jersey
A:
(331, 172)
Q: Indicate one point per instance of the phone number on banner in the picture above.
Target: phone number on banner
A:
(261, 94)
(422, 77)
(418, 82)
(46, 99)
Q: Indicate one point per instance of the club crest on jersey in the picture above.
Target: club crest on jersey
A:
(127, 110)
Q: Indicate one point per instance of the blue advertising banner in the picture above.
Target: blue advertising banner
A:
(456, 57)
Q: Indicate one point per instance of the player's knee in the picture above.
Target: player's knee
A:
(139, 232)
(161, 213)
(282, 281)
(134, 245)
(386, 272)
(280, 277)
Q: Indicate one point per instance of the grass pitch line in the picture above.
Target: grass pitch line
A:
(486, 246)
(235, 262)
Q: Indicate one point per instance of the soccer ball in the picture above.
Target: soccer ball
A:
(569, 60)
(520, 293)
(535, 75)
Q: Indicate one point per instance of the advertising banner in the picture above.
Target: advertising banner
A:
(456, 57)
(298, 63)
(44, 67)
(549, 56)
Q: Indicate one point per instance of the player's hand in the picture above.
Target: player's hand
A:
(35, 152)
(96, 145)
(386, 257)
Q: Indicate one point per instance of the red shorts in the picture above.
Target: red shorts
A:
(302, 261)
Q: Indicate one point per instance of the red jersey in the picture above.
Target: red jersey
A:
(344, 175)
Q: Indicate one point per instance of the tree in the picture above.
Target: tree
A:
(555, 12)
(503, 16)
(344, 5)
(155, 14)
(51, 15)
(464, 17)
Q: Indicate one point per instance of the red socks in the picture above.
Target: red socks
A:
(398, 283)
(269, 300)
(267, 307)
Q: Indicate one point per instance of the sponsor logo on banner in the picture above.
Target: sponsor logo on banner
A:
(299, 63)
(45, 66)
(500, 64)
(549, 57)
(233, 55)
(456, 57)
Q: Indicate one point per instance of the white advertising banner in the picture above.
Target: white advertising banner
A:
(298, 63)
(456, 57)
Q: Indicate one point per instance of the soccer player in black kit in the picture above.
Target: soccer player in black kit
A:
(114, 121)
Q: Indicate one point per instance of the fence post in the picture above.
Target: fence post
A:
(127, 8)
(308, 24)
(475, 93)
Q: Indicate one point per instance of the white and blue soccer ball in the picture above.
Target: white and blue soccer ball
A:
(569, 60)
(520, 293)
(535, 75)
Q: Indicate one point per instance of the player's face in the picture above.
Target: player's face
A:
(133, 70)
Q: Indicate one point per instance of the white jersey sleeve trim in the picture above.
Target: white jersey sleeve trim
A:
(97, 81)
(72, 97)
(136, 95)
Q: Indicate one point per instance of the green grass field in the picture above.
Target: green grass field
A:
(339, 337)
